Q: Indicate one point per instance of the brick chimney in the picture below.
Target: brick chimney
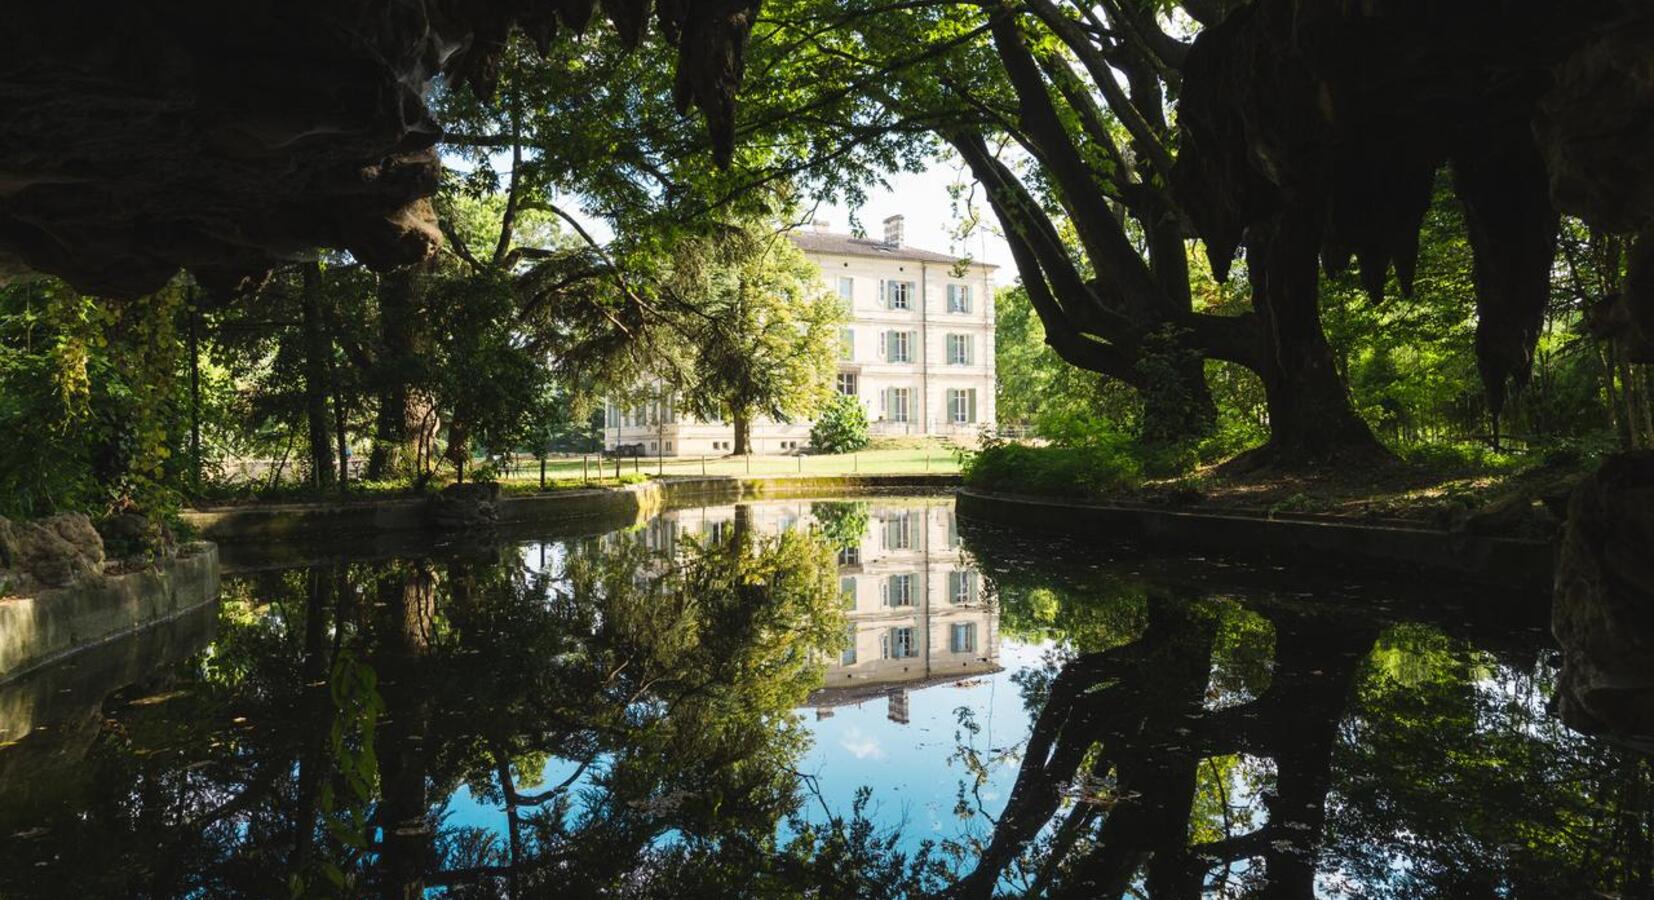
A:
(893, 231)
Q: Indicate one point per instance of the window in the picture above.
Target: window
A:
(961, 406)
(848, 658)
(953, 530)
(898, 532)
(846, 290)
(898, 346)
(899, 294)
(898, 590)
(962, 637)
(961, 587)
(961, 349)
(848, 384)
(896, 404)
(899, 643)
(959, 298)
(847, 591)
(847, 343)
(850, 556)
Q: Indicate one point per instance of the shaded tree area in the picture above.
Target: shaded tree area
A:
(1195, 741)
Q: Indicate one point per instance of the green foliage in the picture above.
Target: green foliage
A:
(840, 427)
(842, 522)
(1037, 389)
(90, 404)
(764, 337)
(1095, 469)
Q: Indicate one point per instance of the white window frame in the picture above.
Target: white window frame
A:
(968, 631)
(961, 406)
(959, 299)
(899, 532)
(898, 294)
(894, 411)
(897, 640)
(851, 380)
(897, 590)
(846, 342)
(897, 346)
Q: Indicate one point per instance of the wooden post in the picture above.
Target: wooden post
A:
(585, 478)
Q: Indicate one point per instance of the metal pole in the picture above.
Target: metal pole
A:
(801, 463)
(749, 462)
(195, 389)
(542, 471)
(703, 465)
(584, 478)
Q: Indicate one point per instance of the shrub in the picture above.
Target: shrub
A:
(841, 427)
(1062, 471)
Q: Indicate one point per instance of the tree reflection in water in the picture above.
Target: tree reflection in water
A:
(626, 718)
(1258, 744)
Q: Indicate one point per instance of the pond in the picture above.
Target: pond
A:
(833, 697)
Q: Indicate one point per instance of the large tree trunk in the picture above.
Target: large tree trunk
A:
(318, 350)
(399, 416)
(1311, 419)
(743, 431)
(403, 640)
(1177, 404)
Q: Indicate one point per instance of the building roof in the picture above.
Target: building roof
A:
(812, 241)
(870, 689)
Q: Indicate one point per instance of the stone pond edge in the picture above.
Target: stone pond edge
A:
(1517, 563)
(599, 508)
(39, 630)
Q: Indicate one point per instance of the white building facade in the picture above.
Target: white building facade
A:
(916, 611)
(917, 351)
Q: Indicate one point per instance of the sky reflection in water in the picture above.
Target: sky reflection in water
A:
(1019, 724)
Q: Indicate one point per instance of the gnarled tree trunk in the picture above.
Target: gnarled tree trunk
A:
(1311, 418)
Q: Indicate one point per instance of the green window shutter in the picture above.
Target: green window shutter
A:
(970, 414)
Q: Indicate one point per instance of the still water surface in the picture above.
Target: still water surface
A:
(833, 698)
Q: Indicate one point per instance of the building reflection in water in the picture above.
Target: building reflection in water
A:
(918, 616)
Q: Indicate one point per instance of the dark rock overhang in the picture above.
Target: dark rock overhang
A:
(224, 138)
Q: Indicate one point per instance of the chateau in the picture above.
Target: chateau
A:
(918, 351)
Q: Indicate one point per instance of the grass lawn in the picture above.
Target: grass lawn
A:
(904, 461)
